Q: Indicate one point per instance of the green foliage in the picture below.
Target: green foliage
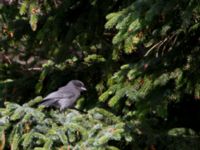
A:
(36, 128)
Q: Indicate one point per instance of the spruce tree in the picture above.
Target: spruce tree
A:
(138, 59)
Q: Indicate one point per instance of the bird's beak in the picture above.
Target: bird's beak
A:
(83, 89)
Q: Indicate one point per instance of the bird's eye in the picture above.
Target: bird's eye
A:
(79, 84)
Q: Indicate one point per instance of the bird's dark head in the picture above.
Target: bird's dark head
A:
(78, 85)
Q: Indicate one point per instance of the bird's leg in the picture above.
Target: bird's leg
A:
(63, 111)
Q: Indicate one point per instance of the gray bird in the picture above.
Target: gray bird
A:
(66, 96)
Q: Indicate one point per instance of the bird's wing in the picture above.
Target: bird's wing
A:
(54, 97)
(48, 102)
